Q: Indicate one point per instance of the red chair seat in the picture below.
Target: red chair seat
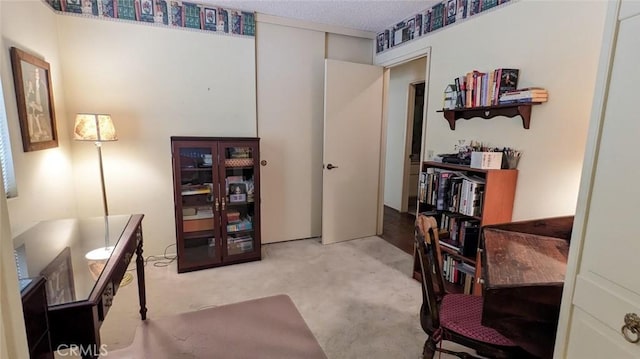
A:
(462, 313)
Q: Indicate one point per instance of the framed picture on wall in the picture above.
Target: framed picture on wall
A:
(32, 80)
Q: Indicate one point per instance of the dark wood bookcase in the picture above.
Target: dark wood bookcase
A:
(496, 200)
(217, 201)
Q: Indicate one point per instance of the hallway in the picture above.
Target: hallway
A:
(398, 229)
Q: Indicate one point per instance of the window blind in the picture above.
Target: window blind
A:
(6, 159)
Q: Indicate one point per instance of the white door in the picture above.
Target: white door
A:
(605, 273)
(351, 155)
(290, 129)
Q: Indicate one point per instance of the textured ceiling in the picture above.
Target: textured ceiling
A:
(371, 15)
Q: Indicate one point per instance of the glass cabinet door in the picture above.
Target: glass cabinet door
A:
(198, 201)
(239, 216)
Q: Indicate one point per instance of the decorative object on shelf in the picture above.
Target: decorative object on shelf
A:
(486, 160)
(482, 156)
(181, 14)
(450, 97)
(512, 157)
(32, 80)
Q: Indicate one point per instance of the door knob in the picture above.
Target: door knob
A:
(330, 166)
(263, 163)
(631, 328)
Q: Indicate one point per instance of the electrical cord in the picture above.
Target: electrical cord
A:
(159, 261)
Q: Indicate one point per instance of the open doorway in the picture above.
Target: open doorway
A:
(405, 97)
(414, 141)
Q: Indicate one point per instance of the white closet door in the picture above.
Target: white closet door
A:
(607, 285)
(290, 83)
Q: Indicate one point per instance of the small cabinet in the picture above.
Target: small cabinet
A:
(217, 201)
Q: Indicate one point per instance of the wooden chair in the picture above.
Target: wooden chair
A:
(453, 317)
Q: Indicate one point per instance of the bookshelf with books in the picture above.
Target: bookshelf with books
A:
(217, 193)
(490, 94)
(463, 199)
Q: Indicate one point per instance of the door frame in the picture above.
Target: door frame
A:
(385, 120)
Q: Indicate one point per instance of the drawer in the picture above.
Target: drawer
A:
(605, 301)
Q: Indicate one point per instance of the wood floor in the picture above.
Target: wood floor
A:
(398, 229)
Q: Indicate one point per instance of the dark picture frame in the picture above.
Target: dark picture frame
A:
(32, 81)
(59, 274)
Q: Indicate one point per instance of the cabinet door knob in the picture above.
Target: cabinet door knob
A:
(631, 328)
(263, 163)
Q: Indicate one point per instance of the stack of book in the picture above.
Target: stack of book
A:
(482, 89)
(239, 245)
(244, 225)
(525, 95)
(233, 216)
(452, 191)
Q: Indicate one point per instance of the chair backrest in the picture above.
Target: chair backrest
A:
(430, 258)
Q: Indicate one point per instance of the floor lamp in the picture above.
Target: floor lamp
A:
(97, 128)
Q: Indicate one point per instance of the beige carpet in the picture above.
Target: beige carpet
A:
(268, 327)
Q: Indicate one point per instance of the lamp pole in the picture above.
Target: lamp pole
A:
(104, 195)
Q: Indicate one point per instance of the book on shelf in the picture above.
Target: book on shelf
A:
(233, 216)
(244, 225)
(507, 80)
(525, 95)
(466, 268)
(200, 213)
(195, 189)
(524, 100)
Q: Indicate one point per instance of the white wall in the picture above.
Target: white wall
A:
(44, 178)
(400, 79)
(16, 31)
(156, 83)
(349, 48)
(555, 45)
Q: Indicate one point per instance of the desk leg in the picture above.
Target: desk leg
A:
(140, 271)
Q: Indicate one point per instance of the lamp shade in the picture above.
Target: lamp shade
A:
(94, 127)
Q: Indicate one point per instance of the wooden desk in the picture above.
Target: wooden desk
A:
(79, 300)
(524, 265)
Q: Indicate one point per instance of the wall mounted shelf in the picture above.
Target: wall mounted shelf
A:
(487, 112)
